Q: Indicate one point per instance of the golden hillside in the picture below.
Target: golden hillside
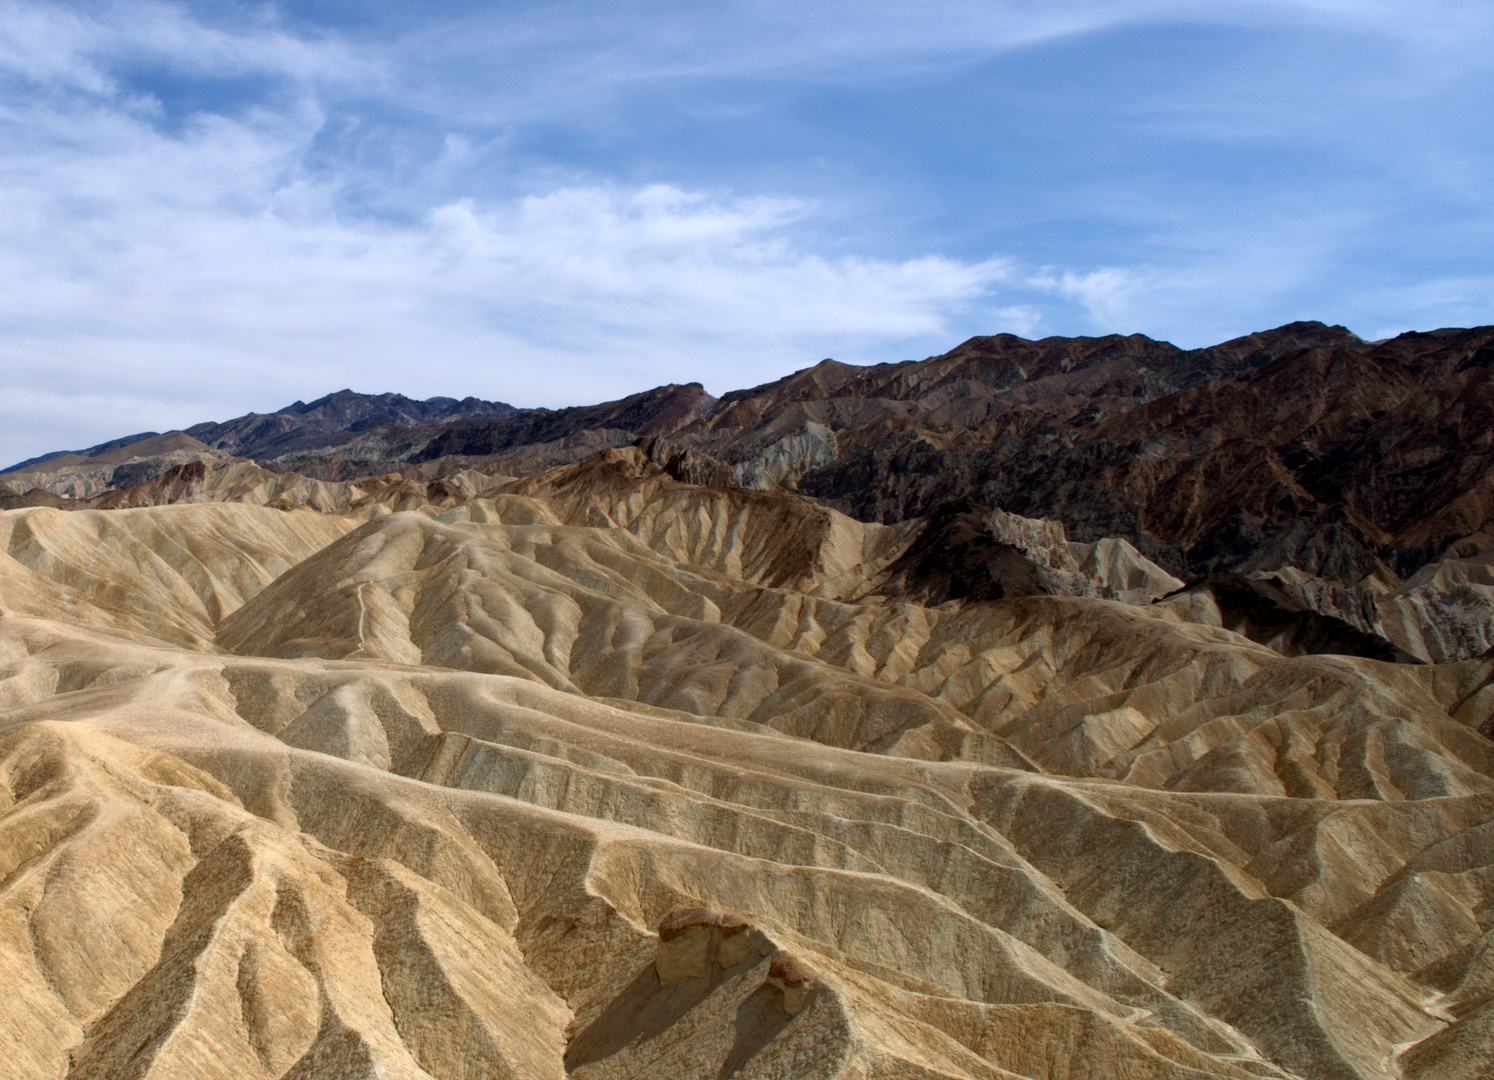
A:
(603, 774)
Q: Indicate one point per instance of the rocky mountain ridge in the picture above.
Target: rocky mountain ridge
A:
(1302, 450)
(966, 386)
(336, 416)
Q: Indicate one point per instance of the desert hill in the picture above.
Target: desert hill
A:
(628, 768)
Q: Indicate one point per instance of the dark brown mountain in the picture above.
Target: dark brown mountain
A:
(1302, 445)
(1074, 379)
(1323, 458)
(333, 419)
(661, 411)
(524, 443)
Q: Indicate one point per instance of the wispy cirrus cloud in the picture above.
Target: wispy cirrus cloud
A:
(208, 208)
(212, 265)
(208, 269)
(83, 46)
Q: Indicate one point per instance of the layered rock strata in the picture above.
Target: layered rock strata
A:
(614, 775)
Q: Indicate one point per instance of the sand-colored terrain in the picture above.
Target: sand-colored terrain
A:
(603, 774)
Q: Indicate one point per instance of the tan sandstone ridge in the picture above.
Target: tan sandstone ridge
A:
(608, 775)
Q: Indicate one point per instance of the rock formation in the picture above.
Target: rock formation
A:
(1301, 446)
(1139, 723)
(1445, 612)
(607, 773)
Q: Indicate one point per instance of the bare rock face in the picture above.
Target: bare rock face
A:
(1295, 619)
(696, 941)
(1443, 614)
(1042, 542)
(1328, 455)
(693, 939)
(794, 979)
(970, 552)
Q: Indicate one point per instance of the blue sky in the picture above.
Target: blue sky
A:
(211, 208)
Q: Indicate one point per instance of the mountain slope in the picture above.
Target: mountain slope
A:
(605, 774)
(1326, 458)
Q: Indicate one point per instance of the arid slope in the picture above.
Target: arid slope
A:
(605, 774)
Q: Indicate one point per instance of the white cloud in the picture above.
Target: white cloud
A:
(682, 264)
(77, 48)
(585, 47)
(1109, 293)
(172, 276)
(162, 267)
(1024, 320)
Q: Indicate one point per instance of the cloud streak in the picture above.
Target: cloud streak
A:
(203, 212)
(81, 48)
(201, 270)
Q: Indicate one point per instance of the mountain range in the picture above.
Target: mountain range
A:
(1045, 710)
(1297, 446)
(1358, 467)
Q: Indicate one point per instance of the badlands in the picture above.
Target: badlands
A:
(447, 740)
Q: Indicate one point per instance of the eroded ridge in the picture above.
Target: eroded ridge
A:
(612, 775)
